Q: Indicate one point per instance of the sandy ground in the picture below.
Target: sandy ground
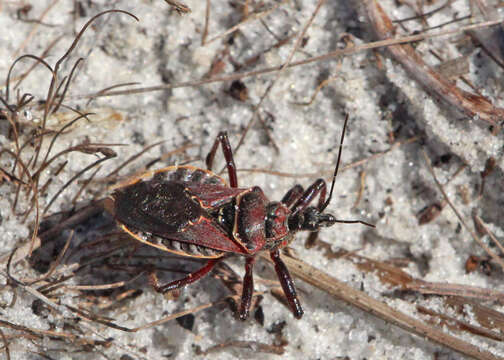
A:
(388, 190)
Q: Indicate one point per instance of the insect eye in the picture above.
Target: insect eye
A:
(272, 210)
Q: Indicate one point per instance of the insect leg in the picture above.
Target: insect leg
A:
(223, 139)
(287, 284)
(292, 195)
(153, 280)
(248, 288)
(318, 187)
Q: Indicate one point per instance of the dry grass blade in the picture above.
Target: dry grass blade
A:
(459, 325)
(42, 56)
(4, 175)
(485, 316)
(45, 162)
(6, 345)
(465, 291)
(29, 289)
(204, 34)
(84, 185)
(66, 85)
(33, 187)
(317, 90)
(427, 14)
(473, 106)
(55, 264)
(9, 73)
(37, 332)
(104, 286)
(133, 158)
(359, 299)
(108, 155)
(482, 226)
(109, 88)
(52, 92)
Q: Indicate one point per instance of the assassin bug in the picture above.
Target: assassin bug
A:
(193, 212)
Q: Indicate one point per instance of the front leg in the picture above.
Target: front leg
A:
(292, 195)
(287, 284)
(318, 187)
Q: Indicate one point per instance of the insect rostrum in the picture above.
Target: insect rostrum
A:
(193, 212)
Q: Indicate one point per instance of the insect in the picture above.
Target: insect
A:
(193, 212)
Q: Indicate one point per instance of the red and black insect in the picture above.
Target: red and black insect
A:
(193, 212)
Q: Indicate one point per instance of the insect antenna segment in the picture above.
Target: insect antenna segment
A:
(335, 174)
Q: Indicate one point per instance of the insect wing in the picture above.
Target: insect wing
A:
(213, 196)
(168, 211)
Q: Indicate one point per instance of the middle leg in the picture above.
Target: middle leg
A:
(248, 288)
(223, 139)
(287, 284)
(319, 187)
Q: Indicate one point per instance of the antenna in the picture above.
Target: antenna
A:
(334, 181)
(337, 165)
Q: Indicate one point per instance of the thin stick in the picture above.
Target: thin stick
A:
(247, 20)
(6, 345)
(448, 289)
(492, 236)
(133, 158)
(207, 20)
(76, 176)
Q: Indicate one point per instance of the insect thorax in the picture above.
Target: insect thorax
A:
(225, 217)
